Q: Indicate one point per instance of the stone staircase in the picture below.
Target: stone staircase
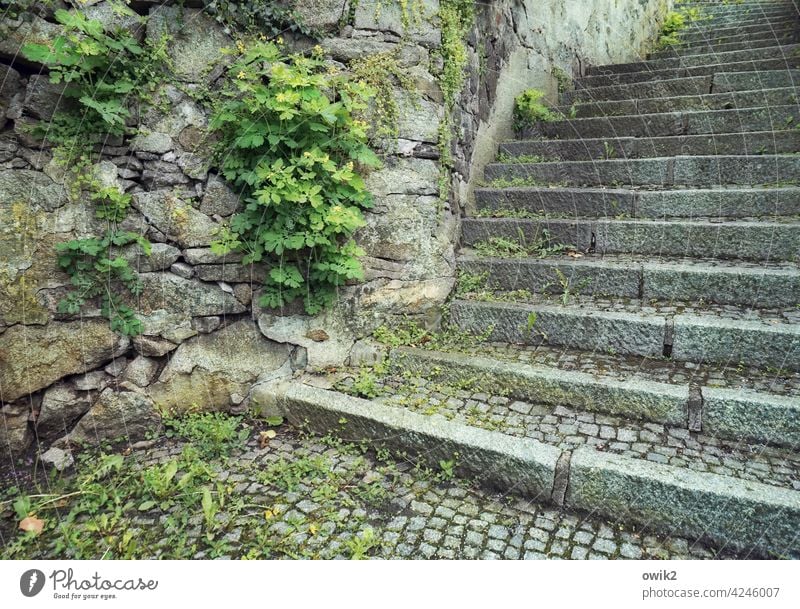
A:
(632, 274)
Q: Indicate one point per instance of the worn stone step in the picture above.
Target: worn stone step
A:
(748, 81)
(748, 11)
(739, 41)
(686, 122)
(715, 58)
(745, 240)
(723, 82)
(722, 282)
(756, 29)
(646, 487)
(727, 26)
(752, 416)
(764, 142)
(714, 15)
(777, 62)
(770, 396)
(787, 96)
(703, 48)
(709, 334)
(613, 203)
(664, 172)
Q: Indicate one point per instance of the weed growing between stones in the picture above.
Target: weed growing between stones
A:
(291, 141)
(504, 247)
(529, 110)
(504, 157)
(674, 23)
(200, 493)
(381, 71)
(409, 334)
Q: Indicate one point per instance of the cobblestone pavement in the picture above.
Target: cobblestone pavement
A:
(305, 497)
(414, 513)
(568, 429)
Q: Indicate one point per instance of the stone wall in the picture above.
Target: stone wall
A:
(69, 377)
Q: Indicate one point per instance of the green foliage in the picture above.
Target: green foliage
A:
(562, 78)
(409, 334)
(360, 545)
(364, 385)
(101, 70)
(528, 109)
(265, 17)
(97, 271)
(382, 72)
(467, 282)
(213, 434)
(289, 140)
(676, 21)
(456, 18)
(541, 246)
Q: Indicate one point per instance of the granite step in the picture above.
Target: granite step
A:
(787, 96)
(661, 172)
(699, 41)
(710, 333)
(665, 480)
(722, 82)
(683, 402)
(685, 122)
(755, 29)
(688, 61)
(704, 48)
(734, 23)
(627, 147)
(694, 238)
(754, 285)
(776, 62)
(627, 203)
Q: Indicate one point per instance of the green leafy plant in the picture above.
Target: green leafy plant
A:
(101, 70)
(361, 544)
(528, 109)
(97, 271)
(541, 246)
(265, 17)
(382, 72)
(674, 22)
(364, 385)
(455, 18)
(213, 434)
(291, 142)
(467, 282)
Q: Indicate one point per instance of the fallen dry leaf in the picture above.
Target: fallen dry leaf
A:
(32, 523)
(266, 436)
(574, 254)
(317, 336)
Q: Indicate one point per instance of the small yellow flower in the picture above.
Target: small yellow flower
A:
(279, 40)
(262, 37)
(317, 50)
(240, 46)
(241, 74)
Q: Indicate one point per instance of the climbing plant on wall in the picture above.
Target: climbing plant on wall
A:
(291, 141)
(103, 72)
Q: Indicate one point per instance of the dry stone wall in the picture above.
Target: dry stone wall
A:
(204, 343)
